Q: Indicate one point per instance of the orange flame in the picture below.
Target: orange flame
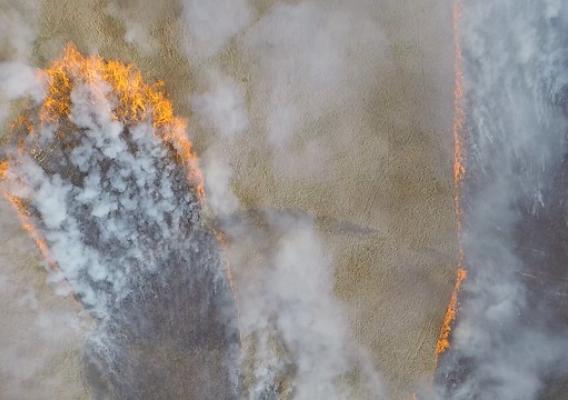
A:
(451, 313)
(3, 169)
(133, 101)
(27, 225)
(459, 113)
(459, 172)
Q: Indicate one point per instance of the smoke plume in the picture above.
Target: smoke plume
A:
(297, 80)
(297, 341)
(510, 340)
(114, 192)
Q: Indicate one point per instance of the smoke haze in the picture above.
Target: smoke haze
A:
(308, 118)
(510, 341)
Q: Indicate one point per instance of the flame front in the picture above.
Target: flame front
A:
(133, 100)
(3, 169)
(459, 172)
(451, 313)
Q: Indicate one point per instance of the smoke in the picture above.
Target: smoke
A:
(139, 20)
(510, 340)
(308, 61)
(118, 207)
(296, 337)
(212, 24)
(18, 20)
(41, 333)
(222, 107)
(291, 320)
(303, 68)
(19, 80)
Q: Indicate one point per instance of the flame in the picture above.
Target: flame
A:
(459, 172)
(459, 113)
(24, 217)
(27, 225)
(224, 242)
(451, 313)
(133, 101)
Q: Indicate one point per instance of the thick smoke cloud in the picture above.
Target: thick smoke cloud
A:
(510, 340)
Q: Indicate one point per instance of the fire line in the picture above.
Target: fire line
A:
(459, 172)
(135, 101)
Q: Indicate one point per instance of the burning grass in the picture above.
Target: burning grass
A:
(132, 99)
(459, 173)
(104, 180)
(50, 132)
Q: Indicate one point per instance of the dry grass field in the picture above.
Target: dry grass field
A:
(370, 160)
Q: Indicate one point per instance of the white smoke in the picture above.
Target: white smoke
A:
(301, 71)
(222, 106)
(509, 342)
(18, 20)
(140, 21)
(221, 110)
(41, 333)
(119, 211)
(290, 300)
(102, 193)
(303, 68)
(211, 24)
(19, 80)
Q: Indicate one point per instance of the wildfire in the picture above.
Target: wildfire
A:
(459, 172)
(133, 100)
(451, 313)
(3, 169)
(23, 216)
(459, 114)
